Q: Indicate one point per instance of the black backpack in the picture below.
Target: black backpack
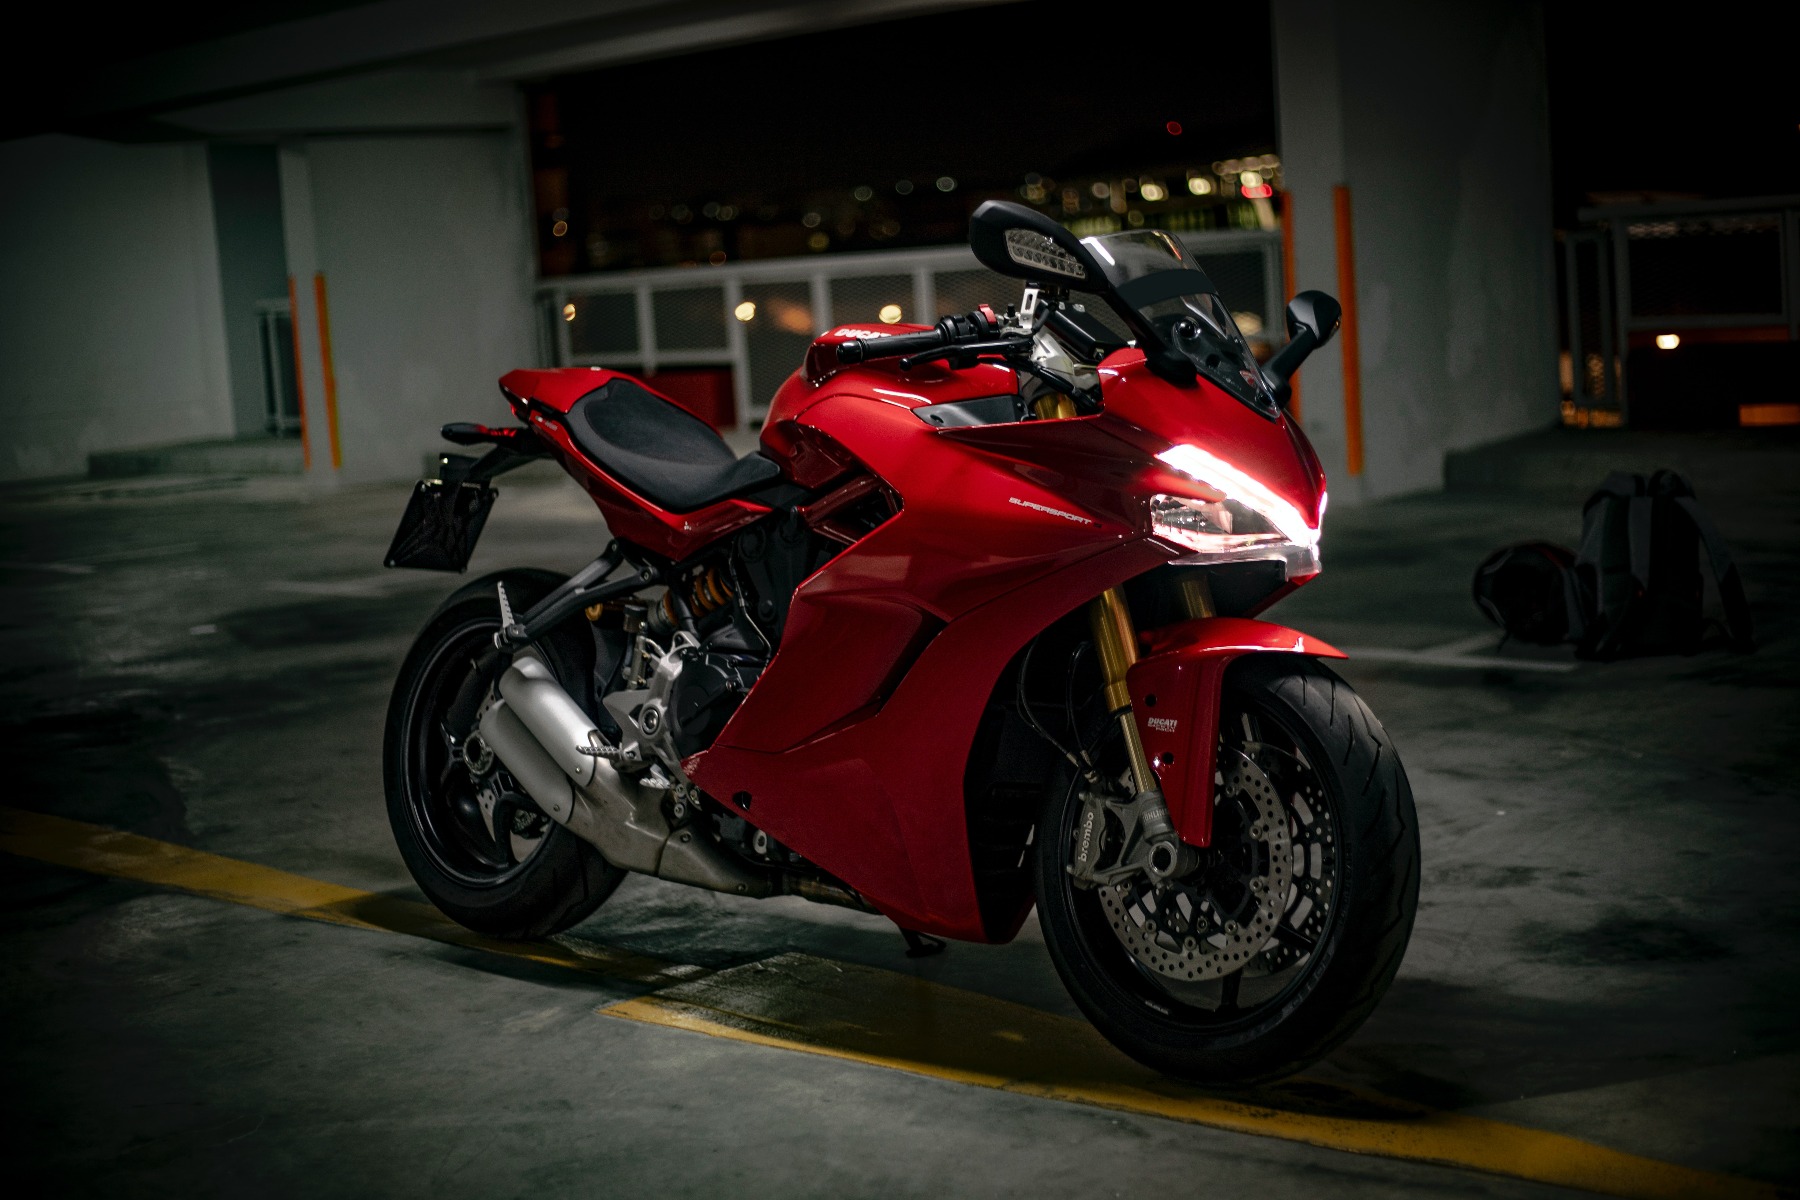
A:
(1633, 586)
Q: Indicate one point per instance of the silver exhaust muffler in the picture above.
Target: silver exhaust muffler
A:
(538, 733)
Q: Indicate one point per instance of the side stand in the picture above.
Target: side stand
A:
(921, 945)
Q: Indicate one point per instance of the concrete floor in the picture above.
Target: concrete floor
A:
(1606, 944)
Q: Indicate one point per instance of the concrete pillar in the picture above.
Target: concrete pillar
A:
(1435, 117)
(424, 243)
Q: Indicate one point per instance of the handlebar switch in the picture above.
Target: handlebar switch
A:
(968, 326)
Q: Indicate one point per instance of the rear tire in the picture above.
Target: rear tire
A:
(1306, 995)
(558, 880)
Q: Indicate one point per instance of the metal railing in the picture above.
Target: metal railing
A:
(281, 399)
(757, 318)
(1709, 270)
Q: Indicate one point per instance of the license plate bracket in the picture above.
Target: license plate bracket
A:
(441, 525)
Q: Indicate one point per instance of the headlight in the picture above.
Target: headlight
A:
(1249, 522)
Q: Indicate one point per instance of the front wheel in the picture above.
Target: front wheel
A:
(1282, 940)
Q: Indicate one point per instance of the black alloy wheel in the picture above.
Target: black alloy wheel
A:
(1280, 942)
(475, 843)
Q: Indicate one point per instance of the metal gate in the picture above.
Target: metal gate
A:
(1640, 278)
(281, 395)
(1596, 383)
(757, 318)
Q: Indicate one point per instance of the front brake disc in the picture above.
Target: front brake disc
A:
(1185, 931)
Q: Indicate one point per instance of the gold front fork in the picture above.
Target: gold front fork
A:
(1115, 638)
(1116, 642)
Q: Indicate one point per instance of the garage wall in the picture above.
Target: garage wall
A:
(1436, 117)
(424, 244)
(111, 330)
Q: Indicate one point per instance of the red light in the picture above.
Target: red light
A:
(1261, 191)
(1174, 128)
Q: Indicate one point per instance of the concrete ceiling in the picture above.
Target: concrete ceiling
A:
(121, 92)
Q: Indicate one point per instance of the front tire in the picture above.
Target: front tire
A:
(1308, 744)
(501, 869)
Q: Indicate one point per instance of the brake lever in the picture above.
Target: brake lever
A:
(969, 350)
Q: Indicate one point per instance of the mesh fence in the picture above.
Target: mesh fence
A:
(602, 323)
(779, 328)
(1239, 276)
(689, 318)
(964, 291)
(873, 299)
(1715, 266)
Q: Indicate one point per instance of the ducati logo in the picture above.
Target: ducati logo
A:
(1163, 724)
(1045, 508)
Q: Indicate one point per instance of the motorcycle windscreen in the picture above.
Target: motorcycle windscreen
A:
(1153, 274)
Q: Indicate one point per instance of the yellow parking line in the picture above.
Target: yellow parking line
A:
(886, 1019)
(866, 1015)
(100, 851)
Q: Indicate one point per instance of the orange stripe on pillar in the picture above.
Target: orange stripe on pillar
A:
(1346, 264)
(331, 413)
(1287, 286)
(299, 375)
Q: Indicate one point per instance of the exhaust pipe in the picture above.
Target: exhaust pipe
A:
(535, 729)
(551, 715)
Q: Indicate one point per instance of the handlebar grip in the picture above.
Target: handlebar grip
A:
(901, 344)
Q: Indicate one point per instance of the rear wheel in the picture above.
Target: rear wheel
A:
(1283, 938)
(476, 844)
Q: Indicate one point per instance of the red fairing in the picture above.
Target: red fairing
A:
(1175, 690)
(628, 515)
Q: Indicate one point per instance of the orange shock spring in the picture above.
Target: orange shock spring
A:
(708, 593)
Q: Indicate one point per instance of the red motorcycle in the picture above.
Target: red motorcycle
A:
(973, 629)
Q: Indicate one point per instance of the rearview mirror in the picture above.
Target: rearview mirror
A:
(1316, 313)
(1024, 243)
(1312, 317)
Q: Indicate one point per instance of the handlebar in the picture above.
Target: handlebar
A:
(952, 330)
(859, 350)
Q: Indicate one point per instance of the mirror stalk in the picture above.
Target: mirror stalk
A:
(1312, 317)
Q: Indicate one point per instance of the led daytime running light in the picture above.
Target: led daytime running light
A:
(1215, 472)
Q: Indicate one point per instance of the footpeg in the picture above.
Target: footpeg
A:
(598, 748)
(511, 634)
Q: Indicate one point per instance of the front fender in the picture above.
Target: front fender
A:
(1175, 689)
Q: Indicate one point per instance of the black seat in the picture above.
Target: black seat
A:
(667, 454)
